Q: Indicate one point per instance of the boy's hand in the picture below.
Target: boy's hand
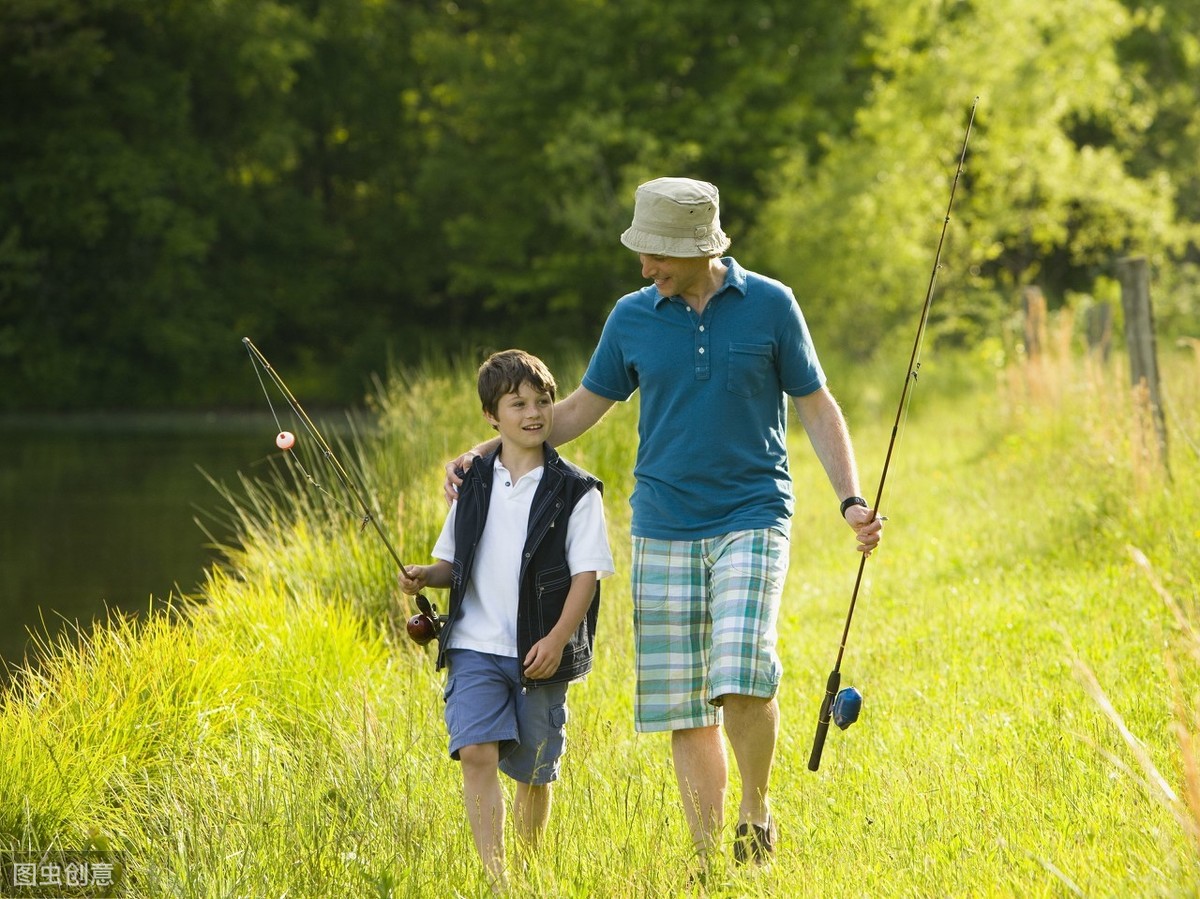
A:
(544, 658)
(413, 579)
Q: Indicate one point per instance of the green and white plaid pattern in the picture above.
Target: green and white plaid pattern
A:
(705, 624)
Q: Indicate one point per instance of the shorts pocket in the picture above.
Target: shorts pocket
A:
(749, 368)
(558, 716)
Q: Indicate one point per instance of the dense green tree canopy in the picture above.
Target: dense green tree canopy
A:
(1062, 176)
(353, 182)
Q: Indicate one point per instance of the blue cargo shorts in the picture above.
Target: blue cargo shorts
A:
(487, 703)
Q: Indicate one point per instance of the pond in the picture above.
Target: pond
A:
(105, 511)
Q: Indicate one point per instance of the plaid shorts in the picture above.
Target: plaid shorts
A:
(705, 616)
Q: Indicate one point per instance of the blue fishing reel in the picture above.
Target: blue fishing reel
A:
(846, 707)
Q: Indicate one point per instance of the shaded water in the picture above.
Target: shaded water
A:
(101, 512)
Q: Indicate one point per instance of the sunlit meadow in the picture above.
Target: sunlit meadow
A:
(1025, 641)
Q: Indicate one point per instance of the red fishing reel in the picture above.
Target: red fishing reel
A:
(426, 624)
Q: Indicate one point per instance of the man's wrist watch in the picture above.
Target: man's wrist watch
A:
(853, 501)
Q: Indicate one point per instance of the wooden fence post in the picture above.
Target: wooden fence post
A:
(1134, 275)
(1033, 303)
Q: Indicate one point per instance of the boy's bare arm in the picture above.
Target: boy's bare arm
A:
(546, 655)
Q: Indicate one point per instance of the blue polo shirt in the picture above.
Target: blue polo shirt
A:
(712, 428)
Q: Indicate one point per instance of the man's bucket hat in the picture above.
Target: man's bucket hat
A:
(676, 217)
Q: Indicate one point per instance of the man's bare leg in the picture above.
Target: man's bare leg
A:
(752, 725)
(702, 771)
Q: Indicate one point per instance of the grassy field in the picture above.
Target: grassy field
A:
(1030, 707)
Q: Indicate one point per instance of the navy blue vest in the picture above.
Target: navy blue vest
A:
(545, 578)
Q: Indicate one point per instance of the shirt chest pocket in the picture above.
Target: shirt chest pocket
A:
(749, 368)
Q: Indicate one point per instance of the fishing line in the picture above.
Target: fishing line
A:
(422, 627)
(259, 364)
(368, 516)
(899, 479)
(843, 706)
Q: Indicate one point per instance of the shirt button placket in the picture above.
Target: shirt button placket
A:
(703, 367)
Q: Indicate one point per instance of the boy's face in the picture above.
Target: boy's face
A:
(523, 418)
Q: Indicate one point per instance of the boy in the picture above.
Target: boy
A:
(522, 551)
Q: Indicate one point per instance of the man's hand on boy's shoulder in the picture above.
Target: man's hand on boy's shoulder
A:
(456, 470)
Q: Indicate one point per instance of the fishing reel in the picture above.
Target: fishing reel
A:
(847, 706)
(426, 624)
(839, 706)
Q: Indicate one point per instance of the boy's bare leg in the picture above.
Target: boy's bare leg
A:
(484, 802)
(702, 771)
(531, 808)
(752, 725)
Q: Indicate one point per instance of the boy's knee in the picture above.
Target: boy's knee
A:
(480, 755)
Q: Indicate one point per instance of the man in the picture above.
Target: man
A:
(715, 350)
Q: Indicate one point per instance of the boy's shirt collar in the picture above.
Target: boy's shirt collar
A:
(501, 476)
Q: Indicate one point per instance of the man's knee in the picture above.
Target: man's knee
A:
(695, 736)
(741, 702)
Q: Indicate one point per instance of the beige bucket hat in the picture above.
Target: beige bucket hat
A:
(676, 217)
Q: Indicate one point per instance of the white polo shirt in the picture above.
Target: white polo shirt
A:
(489, 615)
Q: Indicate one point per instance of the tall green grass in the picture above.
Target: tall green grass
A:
(280, 737)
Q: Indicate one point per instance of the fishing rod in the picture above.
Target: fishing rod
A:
(423, 627)
(843, 706)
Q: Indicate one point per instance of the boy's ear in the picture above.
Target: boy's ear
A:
(491, 419)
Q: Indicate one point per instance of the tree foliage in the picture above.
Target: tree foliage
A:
(1056, 185)
(353, 182)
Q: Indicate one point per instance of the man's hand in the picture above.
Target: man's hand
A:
(868, 528)
(455, 469)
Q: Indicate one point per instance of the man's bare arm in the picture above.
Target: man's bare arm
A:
(830, 437)
(576, 414)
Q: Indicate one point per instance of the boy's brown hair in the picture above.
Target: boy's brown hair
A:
(506, 371)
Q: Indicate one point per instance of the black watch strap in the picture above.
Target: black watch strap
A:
(853, 501)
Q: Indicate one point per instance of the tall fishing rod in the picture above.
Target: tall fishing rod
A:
(843, 706)
(422, 631)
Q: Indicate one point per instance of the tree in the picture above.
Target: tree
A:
(353, 181)
(114, 202)
(540, 117)
(1049, 193)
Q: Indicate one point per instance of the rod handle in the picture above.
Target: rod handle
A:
(823, 719)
